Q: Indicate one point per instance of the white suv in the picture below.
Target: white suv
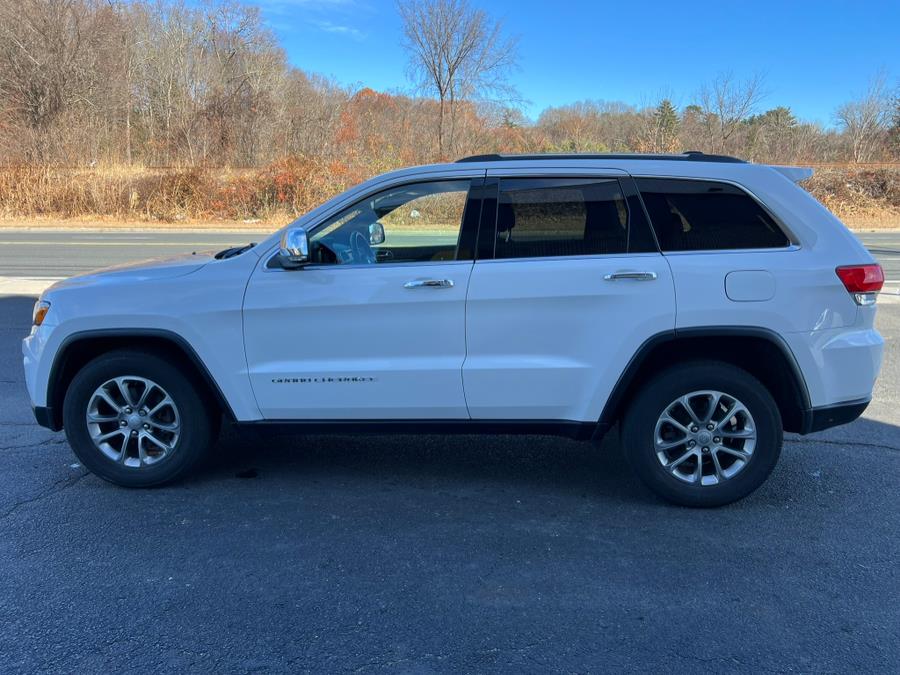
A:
(703, 303)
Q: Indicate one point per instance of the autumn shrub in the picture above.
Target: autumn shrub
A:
(297, 185)
(861, 197)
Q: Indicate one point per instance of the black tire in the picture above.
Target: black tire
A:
(198, 418)
(646, 407)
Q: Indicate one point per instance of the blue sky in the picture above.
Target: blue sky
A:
(813, 55)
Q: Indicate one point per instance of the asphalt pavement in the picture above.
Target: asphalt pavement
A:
(446, 554)
(63, 253)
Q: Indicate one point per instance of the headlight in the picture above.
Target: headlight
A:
(41, 307)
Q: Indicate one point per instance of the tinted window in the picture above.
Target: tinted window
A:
(539, 217)
(419, 222)
(692, 215)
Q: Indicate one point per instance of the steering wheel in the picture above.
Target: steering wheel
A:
(361, 250)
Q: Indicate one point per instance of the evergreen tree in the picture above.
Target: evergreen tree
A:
(777, 118)
(665, 119)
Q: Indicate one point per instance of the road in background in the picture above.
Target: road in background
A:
(60, 253)
(885, 246)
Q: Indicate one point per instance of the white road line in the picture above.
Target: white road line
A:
(111, 243)
(100, 237)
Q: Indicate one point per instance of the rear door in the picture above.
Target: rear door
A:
(567, 286)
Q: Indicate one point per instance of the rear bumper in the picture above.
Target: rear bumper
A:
(825, 417)
(839, 365)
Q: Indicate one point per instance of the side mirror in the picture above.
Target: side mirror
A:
(376, 233)
(294, 250)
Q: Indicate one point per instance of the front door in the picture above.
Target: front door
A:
(374, 327)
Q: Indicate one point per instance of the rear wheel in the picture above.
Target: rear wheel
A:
(135, 420)
(703, 433)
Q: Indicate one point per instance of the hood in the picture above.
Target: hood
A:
(146, 270)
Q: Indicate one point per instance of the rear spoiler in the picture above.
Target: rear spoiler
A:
(794, 173)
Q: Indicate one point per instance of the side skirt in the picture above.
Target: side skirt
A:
(569, 429)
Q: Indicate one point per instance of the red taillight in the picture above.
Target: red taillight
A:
(862, 282)
(861, 278)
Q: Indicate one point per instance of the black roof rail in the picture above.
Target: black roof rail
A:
(689, 156)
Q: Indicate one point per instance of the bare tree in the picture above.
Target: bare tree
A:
(727, 102)
(895, 126)
(204, 83)
(54, 61)
(459, 54)
(866, 121)
(591, 126)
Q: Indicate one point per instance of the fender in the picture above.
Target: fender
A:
(51, 417)
(612, 409)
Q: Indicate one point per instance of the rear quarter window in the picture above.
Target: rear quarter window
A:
(696, 215)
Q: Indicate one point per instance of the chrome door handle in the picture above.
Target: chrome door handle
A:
(429, 283)
(635, 276)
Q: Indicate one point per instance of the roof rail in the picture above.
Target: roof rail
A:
(689, 156)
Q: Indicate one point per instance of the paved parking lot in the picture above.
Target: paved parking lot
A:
(402, 554)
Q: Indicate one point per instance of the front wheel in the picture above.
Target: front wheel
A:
(136, 420)
(703, 434)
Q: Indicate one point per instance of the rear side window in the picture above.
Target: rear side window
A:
(541, 217)
(693, 215)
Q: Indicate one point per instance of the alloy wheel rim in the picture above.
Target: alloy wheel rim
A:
(133, 421)
(705, 438)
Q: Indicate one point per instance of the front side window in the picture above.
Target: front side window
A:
(546, 217)
(420, 222)
(696, 215)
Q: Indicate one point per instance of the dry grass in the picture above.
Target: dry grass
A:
(862, 197)
(872, 219)
(281, 190)
(259, 199)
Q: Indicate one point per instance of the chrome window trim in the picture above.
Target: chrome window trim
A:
(379, 266)
(556, 258)
(791, 248)
(374, 266)
(642, 254)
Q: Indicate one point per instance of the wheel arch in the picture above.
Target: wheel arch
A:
(80, 348)
(760, 351)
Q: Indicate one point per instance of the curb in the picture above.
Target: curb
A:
(26, 285)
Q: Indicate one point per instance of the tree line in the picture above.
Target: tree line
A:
(171, 83)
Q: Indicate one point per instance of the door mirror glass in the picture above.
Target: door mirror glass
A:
(294, 250)
(376, 233)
